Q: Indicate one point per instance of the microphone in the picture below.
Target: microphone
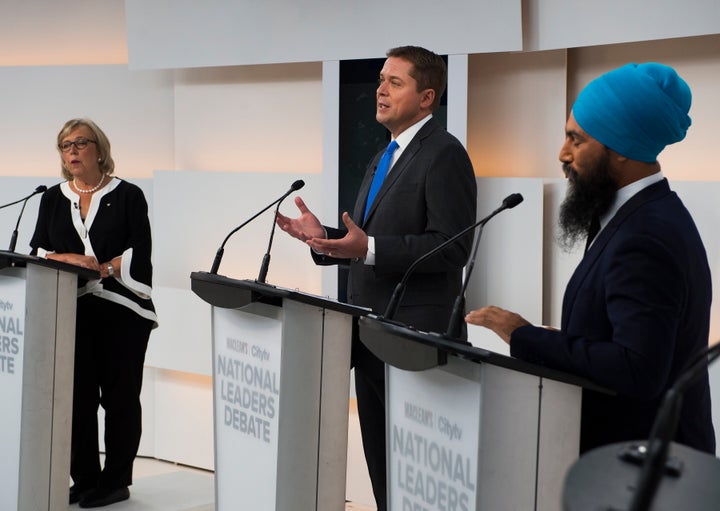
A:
(654, 456)
(509, 202)
(456, 316)
(39, 189)
(266, 258)
(14, 236)
(219, 255)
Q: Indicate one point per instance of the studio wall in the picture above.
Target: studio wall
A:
(166, 33)
(217, 121)
(135, 109)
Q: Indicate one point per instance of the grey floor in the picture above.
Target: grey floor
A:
(163, 486)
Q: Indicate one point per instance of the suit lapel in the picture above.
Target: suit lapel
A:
(645, 195)
(364, 191)
(396, 171)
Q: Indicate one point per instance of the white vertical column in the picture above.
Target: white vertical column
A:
(457, 88)
(330, 171)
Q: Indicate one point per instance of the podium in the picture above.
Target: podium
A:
(281, 382)
(472, 429)
(38, 299)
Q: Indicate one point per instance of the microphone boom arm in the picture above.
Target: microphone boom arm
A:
(266, 258)
(221, 250)
(265, 265)
(454, 324)
(219, 255)
(509, 202)
(14, 236)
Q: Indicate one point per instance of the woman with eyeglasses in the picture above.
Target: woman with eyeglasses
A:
(98, 221)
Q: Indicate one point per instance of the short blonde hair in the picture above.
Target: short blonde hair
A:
(106, 163)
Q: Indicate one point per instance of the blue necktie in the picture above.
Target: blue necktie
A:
(380, 174)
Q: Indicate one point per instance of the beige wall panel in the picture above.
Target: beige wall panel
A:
(516, 113)
(135, 109)
(252, 118)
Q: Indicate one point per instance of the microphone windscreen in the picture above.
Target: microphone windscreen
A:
(40, 189)
(512, 200)
(297, 185)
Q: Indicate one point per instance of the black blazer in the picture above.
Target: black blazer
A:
(635, 311)
(428, 196)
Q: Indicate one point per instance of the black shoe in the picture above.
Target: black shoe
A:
(77, 493)
(100, 497)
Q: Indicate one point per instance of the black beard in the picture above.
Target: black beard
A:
(588, 195)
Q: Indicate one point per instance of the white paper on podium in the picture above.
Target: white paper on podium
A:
(247, 400)
(12, 342)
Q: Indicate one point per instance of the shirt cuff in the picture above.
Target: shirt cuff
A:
(370, 256)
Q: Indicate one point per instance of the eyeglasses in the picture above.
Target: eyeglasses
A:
(79, 143)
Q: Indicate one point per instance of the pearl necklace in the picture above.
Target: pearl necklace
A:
(91, 190)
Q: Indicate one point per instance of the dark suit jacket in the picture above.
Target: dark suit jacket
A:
(428, 196)
(635, 311)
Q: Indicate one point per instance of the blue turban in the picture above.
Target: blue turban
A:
(635, 110)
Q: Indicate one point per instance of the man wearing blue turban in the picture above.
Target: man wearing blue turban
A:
(637, 309)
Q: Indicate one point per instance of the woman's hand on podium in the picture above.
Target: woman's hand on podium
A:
(82, 260)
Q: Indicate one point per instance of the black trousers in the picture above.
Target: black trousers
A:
(110, 345)
(370, 392)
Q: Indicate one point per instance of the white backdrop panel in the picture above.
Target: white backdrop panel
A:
(167, 34)
(508, 269)
(197, 209)
(182, 342)
(183, 418)
(555, 24)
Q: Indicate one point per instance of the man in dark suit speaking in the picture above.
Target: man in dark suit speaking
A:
(637, 308)
(417, 193)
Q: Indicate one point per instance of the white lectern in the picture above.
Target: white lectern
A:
(281, 362)
(38, 298)
(471, 429)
